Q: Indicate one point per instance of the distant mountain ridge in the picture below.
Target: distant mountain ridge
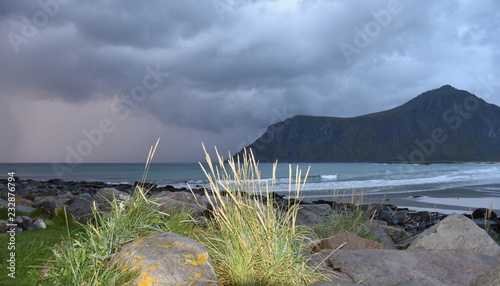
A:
(440, 125)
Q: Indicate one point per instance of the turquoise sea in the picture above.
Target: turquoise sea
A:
(323, 180)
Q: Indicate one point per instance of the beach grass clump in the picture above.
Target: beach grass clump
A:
(252, 241)
(83, 258)
(351, 218)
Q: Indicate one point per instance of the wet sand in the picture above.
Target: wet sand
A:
(447, 201)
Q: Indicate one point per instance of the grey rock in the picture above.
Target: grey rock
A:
(40, 223)
(28, 225)
(308, 218)
(411, 229)
(379, 212)
(26, 187)
(484, 213)
(401, 216)
(4, 203)
(319, 209)
(18, 220)
(3, 226)
(81, 209)
(110, 194)
(489, 278)
(34, 183)
(377, 227)
(333, 283)
(20, 207)
(410, 283)
(320, 262)
(61, 199)
(179, 196)
(346, 240)
(427, 267)
(456, 232)
(170, 205)
(170, 201)
(395, 233)
(49, 207)
(421, 216)
(24, 209)
(57, 182)
(168, 259)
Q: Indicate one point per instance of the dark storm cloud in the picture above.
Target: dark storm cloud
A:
(244, 64)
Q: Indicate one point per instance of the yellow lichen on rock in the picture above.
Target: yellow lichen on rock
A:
(202, 258)
(145, 280)
(167, 259)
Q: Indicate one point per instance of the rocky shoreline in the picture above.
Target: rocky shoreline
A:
(56, 193)
(395, 228)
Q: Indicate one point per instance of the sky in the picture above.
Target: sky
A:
(100, 81)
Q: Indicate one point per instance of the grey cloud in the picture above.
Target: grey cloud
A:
(235, 71)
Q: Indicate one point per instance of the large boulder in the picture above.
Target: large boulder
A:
(81, 209)
(396, 234)
(50, 207)
(111, 194)
(483, 213)
(24, 209)
(380, 231)
(346, 240)
(427, 267)
(490, 278)
(333, 283)
(313, 215)
(378, 228)
(22, 205)
(456, 232)
(61, 199)
(27, 223)
(336, 282)
(309, 219)
(172, 201)
(167, 259)
(319, 209)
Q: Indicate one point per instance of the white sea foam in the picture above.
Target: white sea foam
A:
(400, 182)
(329, 177)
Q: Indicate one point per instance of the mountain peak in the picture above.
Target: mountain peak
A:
(444, 124)
(447, 87)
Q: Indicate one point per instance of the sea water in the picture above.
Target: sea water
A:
(323, 179)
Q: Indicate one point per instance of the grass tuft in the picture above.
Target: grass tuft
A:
(82, 259)
(351, 218)
(252, 241)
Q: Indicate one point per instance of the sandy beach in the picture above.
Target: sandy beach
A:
(460, 200)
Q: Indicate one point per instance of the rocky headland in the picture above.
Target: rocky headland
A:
(440, 125)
